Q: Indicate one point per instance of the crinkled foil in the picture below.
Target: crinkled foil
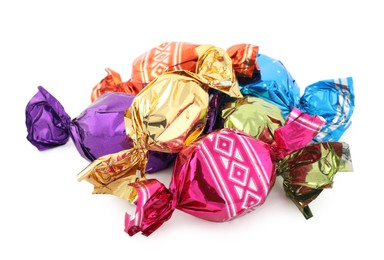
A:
(276, 85)
(168, 114)
(308, 171)
(97, 131)
(253, 116)
(334, 100)
(176, 56)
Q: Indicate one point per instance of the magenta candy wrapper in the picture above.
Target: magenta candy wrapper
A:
(221, 176)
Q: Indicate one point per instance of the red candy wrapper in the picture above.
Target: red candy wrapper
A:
(221, 176)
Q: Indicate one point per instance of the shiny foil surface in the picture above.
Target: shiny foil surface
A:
(175, 56)
(276, 85)
(252, 115)
(213, 179)
(220, 176)
(167, 115)
(97, 131)
(244, 60)
(334, 100)
(113, 83)
(112, 173)
(306, 172)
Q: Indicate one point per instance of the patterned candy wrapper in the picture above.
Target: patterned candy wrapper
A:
(173, 56)
(97, 131)
(219, 177)
(167, 115)
(331, 99)
(334, 100)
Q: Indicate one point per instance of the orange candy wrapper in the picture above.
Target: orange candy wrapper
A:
(173, 56)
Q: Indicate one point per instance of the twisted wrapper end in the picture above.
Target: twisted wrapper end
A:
(46, 121)
(308, 171)
(154, 206)
(111, 174)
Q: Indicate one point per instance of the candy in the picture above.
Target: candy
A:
(308, 171)
(252, 115)
(97, 131)
(331, 99)
(334, 100)
(276, 85)
(185, 92)
(219, 177)
(173, 56)
(167, 115)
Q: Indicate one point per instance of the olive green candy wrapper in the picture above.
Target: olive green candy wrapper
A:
(252, 115)
(306, 172)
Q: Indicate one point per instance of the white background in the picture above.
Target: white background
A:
(65, 46)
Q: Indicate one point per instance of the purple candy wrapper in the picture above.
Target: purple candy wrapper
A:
(97, 131)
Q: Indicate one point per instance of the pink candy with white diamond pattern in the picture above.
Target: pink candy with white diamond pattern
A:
(233, 171)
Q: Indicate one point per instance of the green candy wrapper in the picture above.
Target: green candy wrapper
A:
(306, 172)
(253, 116)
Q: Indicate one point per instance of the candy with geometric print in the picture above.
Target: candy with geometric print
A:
(220, 176)
(174, 56)
(226, 175)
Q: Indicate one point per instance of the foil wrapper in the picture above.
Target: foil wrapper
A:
(113, 83)
(276, 85)
(244, 62)
(308, 171)
(173, 56)
(220, 176)
(252, 115)
(334, 100)
(97, 131)
(167, 115)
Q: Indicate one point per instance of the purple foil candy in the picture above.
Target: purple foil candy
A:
(97, 131)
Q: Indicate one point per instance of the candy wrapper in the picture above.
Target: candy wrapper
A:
(334, 100)
(173, 56)
(221, 176)
(167, 115)
(252, 115)
(308, 171)
(97, 131)
(331, 99)
(276, 86)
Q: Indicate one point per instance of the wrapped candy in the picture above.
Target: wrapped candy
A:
(308, 171)
(173, 56)
(252, 115)
(167, 115)
(221, 176)
(276, 85)
(97, 131)
(168, 56)
(334, 100)
(331, 99)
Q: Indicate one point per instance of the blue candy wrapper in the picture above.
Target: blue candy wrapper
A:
(276, 86)
(334, 100)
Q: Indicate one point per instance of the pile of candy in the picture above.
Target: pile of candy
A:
(228, 121)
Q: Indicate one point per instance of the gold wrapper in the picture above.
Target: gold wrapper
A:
(215, 67)
(168, 114)
(253, 116)
(112, 173)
